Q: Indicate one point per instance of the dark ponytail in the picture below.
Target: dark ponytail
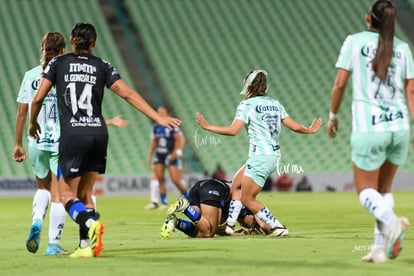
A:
(383, 18)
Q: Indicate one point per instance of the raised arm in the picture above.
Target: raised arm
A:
(137, 101)
(231, 130)
(298, 127)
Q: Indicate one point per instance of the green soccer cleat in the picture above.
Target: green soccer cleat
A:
(33, 241)
(95, 234)
(168, 226)
(179, 206)
(86, 252)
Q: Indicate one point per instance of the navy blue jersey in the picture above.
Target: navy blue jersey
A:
(165, 138)
(80, 81)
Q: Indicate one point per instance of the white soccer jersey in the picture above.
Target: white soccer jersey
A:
(48, 119)
(262, 116)
(377, 105)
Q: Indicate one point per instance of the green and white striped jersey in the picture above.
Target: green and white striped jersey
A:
(377, 105)
(48, 118)
(262, 116)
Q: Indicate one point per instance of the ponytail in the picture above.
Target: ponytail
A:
(383, 18)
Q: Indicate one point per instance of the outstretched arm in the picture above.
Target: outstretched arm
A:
(231, 130)
(297, 127)
(137, 101)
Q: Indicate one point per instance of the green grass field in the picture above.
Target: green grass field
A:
(328, 235)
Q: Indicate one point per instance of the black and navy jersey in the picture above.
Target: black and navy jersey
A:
(80, 82)
(165, 138)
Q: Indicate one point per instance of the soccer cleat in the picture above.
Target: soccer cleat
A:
(375, 255)
(151, 206)
(168, 226)
(179, 206)
(279, 231)
(229, 230)
(33, 241)
(397, 230)
(86, 252)
(163, 207)
(95, 236)
(53, 249)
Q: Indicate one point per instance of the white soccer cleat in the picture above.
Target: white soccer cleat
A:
(151, 206)
(375, 255)
(229, 230)
(396, 234)
(279, 231)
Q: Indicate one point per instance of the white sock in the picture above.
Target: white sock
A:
(375, 203)
(40, 203)
(57, 217)
(154, 190)
(234, 211)
(94, 200)
(380, 239)
(267, 217)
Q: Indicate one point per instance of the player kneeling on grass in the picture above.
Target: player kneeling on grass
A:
(207, 208)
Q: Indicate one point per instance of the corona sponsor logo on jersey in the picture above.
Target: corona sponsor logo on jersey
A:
(264, 108)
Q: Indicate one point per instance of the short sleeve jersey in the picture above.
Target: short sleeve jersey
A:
(80, 82)
(48, 118)
(377, 105)
(165, 138)
(262, 116)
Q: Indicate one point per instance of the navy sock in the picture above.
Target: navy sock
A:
(77, 211)
(192, 214)
(187, 227)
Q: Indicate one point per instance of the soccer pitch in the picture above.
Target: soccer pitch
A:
(328, 235)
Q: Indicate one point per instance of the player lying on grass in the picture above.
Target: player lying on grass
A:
(207, 209)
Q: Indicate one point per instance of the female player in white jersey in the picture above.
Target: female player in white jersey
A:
(80, 79)
(383, 75)
(43, 153)
(262, 116)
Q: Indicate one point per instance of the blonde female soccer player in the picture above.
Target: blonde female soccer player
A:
(263, 117)
(383, 75)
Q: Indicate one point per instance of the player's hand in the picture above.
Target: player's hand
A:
(34, 130)
(19, 154)
(316, 125)
(201, 120)
(169, 122)
(332, 127)
(119, 122)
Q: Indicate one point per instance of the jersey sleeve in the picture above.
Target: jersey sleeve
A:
(111, 73)
(24, 90)
(50, 71)
(242, 112)
(283, 113)
(409, 64)
(345, 55)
